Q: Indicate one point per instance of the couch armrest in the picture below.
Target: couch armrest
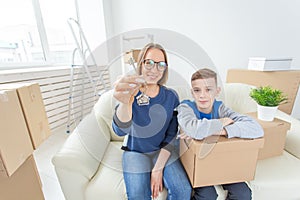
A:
(292, 143)
(74, 167)
(80, 156)
(85, 147)
(237, 97)
(73, 156)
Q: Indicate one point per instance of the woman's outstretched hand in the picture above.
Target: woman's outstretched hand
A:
(126, 87)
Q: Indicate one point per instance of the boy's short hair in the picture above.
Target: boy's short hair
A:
(204, 74)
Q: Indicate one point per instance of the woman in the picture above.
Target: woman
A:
(146, 115)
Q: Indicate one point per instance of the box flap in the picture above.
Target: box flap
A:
(271, 124)
(15, 86)
(15, 143)
(34, 112)
(222, 144)
(33, 109)
(24, 184)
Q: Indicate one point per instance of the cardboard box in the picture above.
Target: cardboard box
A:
(274, 135)
(134, 53)
(33, 109)
(219, 160)
(24, 184)
(15, 143)
(269, 64)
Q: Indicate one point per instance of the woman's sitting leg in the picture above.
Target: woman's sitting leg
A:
(136, 171)
(175, 180)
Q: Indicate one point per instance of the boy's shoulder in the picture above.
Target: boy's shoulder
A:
(218, 103)
(188, 102)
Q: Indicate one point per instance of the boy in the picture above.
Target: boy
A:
(205, 116)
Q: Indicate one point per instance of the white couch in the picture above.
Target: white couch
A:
(89, 164)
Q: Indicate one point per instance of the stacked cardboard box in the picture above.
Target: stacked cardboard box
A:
(219, 160)
(134, 53)
(23, 127)
(274, 135)
(33, 108)
(15, 143)
(24, 184)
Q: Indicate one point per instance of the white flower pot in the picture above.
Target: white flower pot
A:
(266, 113)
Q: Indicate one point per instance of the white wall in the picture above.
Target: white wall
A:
(229, 31)
(92, 21)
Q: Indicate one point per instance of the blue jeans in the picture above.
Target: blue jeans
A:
(236, 191)
(137, 172)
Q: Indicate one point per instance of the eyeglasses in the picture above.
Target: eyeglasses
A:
(149, 64)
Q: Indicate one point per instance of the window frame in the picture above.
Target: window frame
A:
(44, 43)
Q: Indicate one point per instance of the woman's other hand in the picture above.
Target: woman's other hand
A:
(156, 182)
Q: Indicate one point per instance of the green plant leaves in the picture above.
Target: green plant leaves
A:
(267, 96)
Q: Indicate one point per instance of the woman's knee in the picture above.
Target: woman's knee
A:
(177, 182)
(137, 186)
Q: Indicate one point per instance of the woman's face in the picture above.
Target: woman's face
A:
(154, 74)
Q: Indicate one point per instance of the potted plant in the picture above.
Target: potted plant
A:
(268, 99)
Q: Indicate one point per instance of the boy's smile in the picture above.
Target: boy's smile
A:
(204, 92)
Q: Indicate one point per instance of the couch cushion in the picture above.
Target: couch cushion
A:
(237, 97)
(93, 136)
(292, 142)
(277, 178)
(108, 183)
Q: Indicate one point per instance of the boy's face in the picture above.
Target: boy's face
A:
(204, 92)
